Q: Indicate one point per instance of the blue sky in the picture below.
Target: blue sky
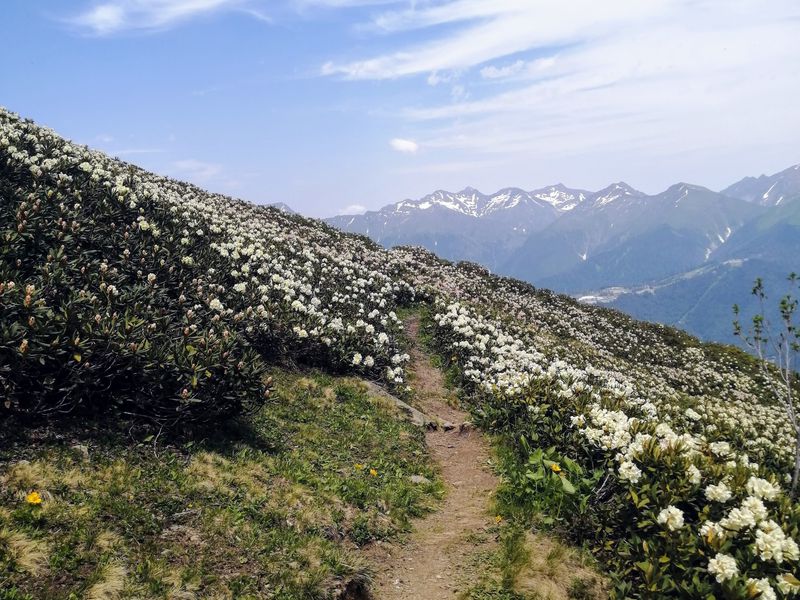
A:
(339, 105)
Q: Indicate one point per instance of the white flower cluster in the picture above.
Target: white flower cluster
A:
(280, 277)
(615, 414)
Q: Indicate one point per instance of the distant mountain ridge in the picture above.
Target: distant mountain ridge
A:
(472, 202)
(583, 243)
(767, 190)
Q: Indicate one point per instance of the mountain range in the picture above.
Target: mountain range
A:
(681, 257)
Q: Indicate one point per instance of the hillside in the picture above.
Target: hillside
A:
(698, 299)
(146, 305)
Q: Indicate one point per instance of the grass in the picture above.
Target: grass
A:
(529, 566)
(274, 505)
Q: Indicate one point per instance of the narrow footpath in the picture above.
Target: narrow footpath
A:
(442, 558)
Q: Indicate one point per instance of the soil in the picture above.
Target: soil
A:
(442, 558)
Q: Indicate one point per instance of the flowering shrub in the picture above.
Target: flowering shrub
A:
(645, 474)
(122, 289)
(97, 311)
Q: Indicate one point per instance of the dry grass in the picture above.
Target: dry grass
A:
(272, 502)
(28, 555)
(111, 583)
(553, 570)
(107, 541)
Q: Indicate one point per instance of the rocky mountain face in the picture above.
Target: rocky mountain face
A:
(466, 225)
(655, 256)
(767, 190)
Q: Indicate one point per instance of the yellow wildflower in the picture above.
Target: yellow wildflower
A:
(359, 467)
(33, 498)
(498, 519)
(373, 472)
(555, 468)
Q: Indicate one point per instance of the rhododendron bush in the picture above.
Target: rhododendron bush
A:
(121, 289)
(642, 471)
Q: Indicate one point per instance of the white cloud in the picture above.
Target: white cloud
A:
(353, 209)
(115, 16)
(404, 146)
(104, 18)
(459, 92)
(618, 78)
(133, 151)
(492, 30)
(493, 72)
(196, 170)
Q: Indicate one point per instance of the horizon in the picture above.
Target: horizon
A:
(389, 100)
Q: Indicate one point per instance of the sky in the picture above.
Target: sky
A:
(338, 106)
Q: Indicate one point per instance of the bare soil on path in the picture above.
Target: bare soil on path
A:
(442, 558)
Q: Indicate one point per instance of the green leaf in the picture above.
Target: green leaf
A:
(534, 475)
(568, 487)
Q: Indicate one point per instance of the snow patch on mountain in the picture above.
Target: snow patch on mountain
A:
(473, 203)
(613, 193)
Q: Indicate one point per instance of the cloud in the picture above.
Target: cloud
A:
(491, 30)
(353, 209)
(404, 146)
(133, 151)
(493, 72)
(619, 78)
(196, 170)
(116, 16)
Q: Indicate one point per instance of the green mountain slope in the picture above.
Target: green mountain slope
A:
(630, 239)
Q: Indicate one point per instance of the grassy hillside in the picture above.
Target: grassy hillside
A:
(147, 304)
(271, 506)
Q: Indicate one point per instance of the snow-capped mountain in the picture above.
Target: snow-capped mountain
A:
(576, 241)
(465, 225)
(471, 202)
(560, 197)
(621, 236)
(615, 193)
(768, 190)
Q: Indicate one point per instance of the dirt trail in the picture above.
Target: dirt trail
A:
(442, 557)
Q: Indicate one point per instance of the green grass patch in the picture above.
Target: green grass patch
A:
(274, 505)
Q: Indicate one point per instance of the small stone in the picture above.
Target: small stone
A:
(448, 426)
(419, 479)
(81, 450)
(466, 427)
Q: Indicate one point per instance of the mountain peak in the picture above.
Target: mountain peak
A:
(560, 196)
(682, 188)
(768, 190)
(469, 190)
(614, 192)
(283, 207)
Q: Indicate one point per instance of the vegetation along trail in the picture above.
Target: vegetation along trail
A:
(441, 559)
